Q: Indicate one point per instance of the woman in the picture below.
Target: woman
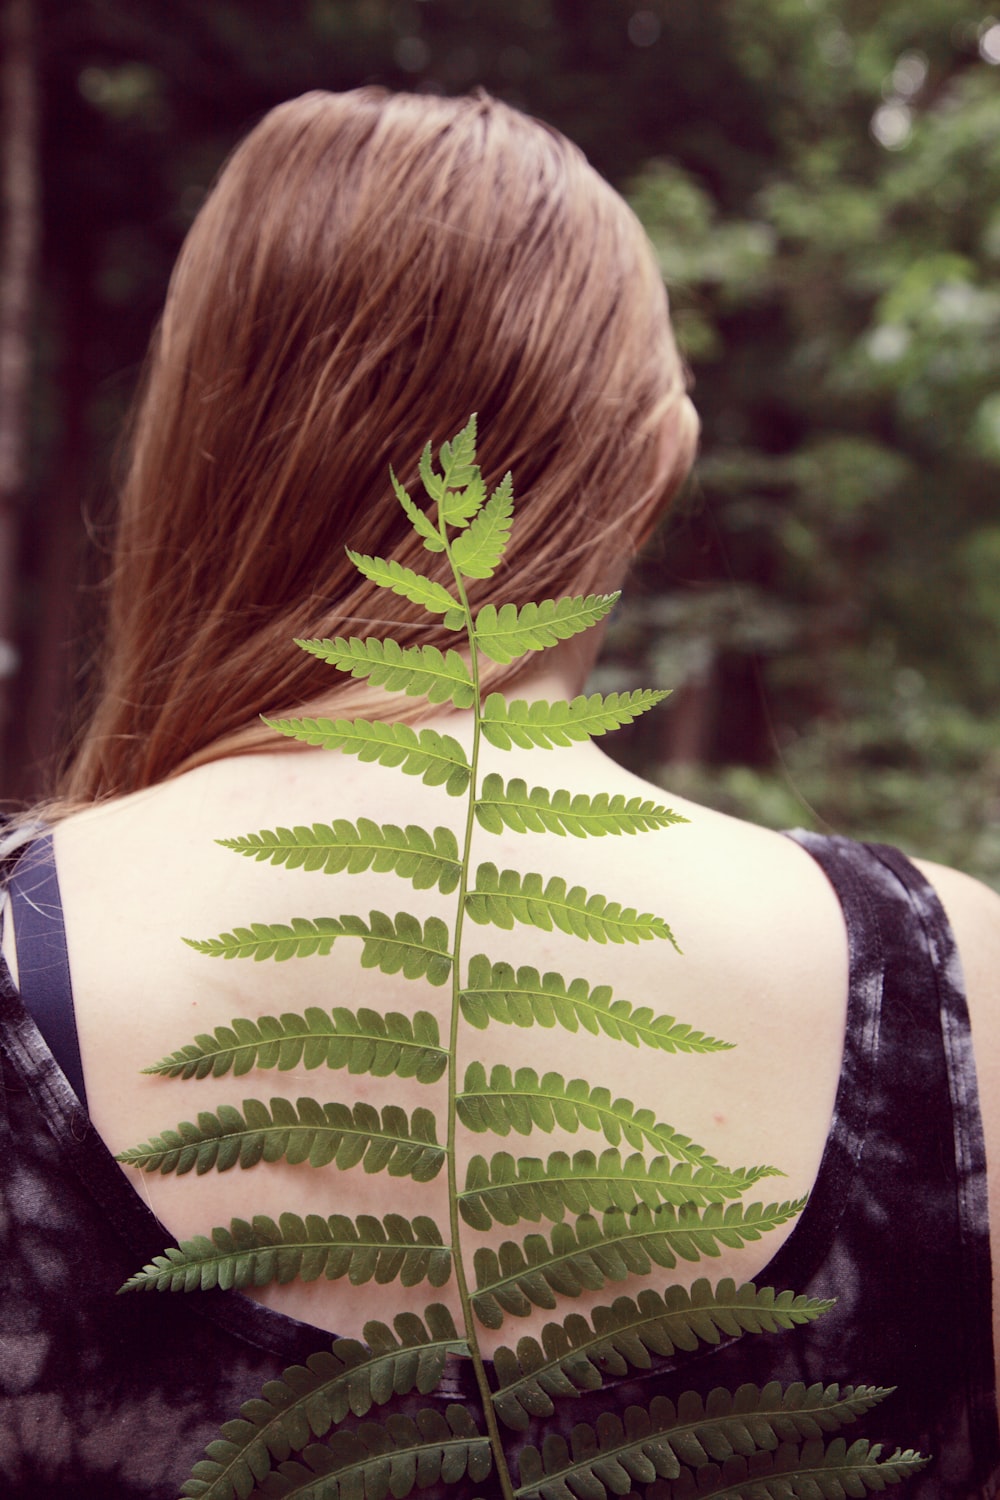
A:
(368, 271)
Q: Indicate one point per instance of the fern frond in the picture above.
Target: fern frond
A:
(309, 1399)
(501, 806)
(458, 456)
(507, 633)
(362, 1042)
(506, 1189)
(306, 1131)
(653, 1442)
(418, 671)
(477, 551)
(427, 859)
(421, 523)
(377, 1459)
(261, 1252)
(432, 596)
(586, 1255)
(524, 1102)
(438, 759)
(542, 724)
(399, 945)
(578, 1354)
(504, 897)
(495, 992)
(813, 1472)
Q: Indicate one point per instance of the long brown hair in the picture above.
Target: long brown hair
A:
(368, 270)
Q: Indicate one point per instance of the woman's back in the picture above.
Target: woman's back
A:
(773, 985)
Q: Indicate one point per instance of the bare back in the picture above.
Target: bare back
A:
(764, 967)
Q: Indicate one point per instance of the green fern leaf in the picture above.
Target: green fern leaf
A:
(812, 1471)
(506, 1189)
(505, 897)
(542, 725)
(495, 992)
(477, 551)
(306, 1131)
(432, 596)
(507, 633)
(261, 1252)
(399, 945)
(421, 523)
(418, 671)
(376, 1459)
(653, 1442)
(309, 1399)
(501, 806)
(438, 759)
(362, 1042)
(426, 859)
(586, 1255)
(459, 490)
(578, 1354)
(524, 1102)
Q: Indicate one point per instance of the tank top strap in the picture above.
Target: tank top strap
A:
(923, 1161)
(42, 957)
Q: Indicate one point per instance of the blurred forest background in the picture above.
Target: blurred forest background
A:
(821, 179)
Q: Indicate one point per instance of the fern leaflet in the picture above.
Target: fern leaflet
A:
(507, 633)
(652, 1442)
(438, 759)
(432, 596)
(261, 1252)
(421, 523)
(495, 992)
(586, 1255)
(426, 859)
(303, 1132)
(375, 1459)
(415, 670)
(542, 724)
(503, 897)
(362, 1042)
(524, 1102)
(575, 1355)
(501, 806)
(790, 1471)
(477, 551)
(399, 945)
(309, 1399)
(506, 1189)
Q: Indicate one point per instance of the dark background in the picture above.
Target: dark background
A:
(822, 181)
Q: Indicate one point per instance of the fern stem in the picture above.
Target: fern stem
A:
(468, 1317)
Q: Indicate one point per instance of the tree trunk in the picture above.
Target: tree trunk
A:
(18, 250)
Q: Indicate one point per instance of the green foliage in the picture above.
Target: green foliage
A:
(510, 805)
(504, 897)
(303, 1132)
(542, 725)
(508, 632)
(653, 1444)
(437, 759)
(428, 859)
(361, 1041)
(261, 1252)
(347, 1379)
(574, 1355)
(648, 1198)
(417, 670)
(396, 945)
(494, 992)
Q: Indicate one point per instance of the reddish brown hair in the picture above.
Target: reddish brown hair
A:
(368, 270)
